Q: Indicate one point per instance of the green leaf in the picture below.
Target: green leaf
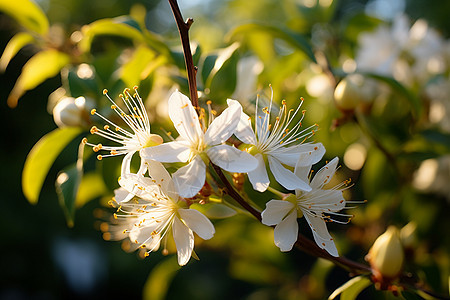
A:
(66, 185)
(351, 289)
(41, 158)
(91, 187)
(214, 210)
(27, 13)
(41, 66)
(138, 67)
(16, 43)
(296, 40)
(116, 27)
(221, 81)
(158, 282)
(207, 66)
(414, 101)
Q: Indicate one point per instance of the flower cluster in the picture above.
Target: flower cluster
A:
(154, 205)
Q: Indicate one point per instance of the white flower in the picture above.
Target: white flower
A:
(196, 147)
(317, 206)
(136, 118)
(148, 220)
(277, 144)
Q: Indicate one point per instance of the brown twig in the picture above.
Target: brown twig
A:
(183, 29)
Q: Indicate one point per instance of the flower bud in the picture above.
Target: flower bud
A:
(386, 255)
(72, 112)
(347, 93)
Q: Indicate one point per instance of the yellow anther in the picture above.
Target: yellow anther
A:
(209, 102)
(113, 106)
(115, 216)
(105, 91)
(99, 157)
(304, 111)
(106, 127)
(135, 87)
(84, 141)
(93, 111)
(146, 254)
(94, 129)
(113, 152)
(124, 231)
(117, 128)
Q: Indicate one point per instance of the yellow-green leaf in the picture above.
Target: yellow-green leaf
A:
(351, 289)
(91, 187)
(41, 66)
(158, 281)
(108, 27)
(41, 158)
(139, 66)
(14, 45)
(27, 13)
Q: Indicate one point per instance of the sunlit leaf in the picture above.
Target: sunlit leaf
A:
(138, 67)
(214, 210)
(158, 282)
(27, 13)
(41, 66)
(16, 43)
(296, 40)
(41, 158)
(91, 187)
(351, 289)
(121, 27)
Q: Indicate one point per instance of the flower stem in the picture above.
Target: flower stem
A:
(276, 192)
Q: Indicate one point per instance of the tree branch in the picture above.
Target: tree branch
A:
(183, 29)
(302, 243)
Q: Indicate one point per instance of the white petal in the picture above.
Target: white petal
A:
(176, 151)
(311, 154)
(275, 211)
(223, 126)
(139, 186)
(244, 130)
(321, 236)
(303, 154)
(196, 221)
(231, 159)
(286, 232)
(329, 200)
(126, 164)
(143, 234)
(184, 241)
(285, 177)
(324, 175)
(157, 171)
(122, 195)
(258, 177)
(184, 117)
(190, 179)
